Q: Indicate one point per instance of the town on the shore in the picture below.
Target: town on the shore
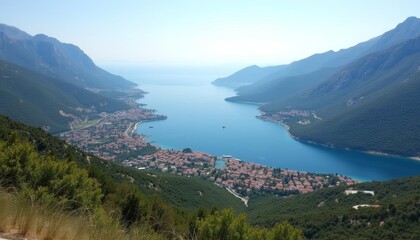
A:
(113, 137)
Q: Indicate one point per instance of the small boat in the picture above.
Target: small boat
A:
(150, 126)
(223, 126)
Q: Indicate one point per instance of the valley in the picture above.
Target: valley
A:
(250, 139)
(317, 141)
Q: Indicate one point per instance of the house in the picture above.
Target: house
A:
(350, 191)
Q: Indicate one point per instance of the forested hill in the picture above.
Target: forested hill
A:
(372, 105)
(394, 211)
(40, 100)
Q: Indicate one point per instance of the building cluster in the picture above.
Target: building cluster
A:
(244, 178)
(174, 161)
(248, 177)
(113, 134)
(279, 117)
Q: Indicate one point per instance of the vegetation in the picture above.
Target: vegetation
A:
(107, 197)
(62, 184)
(46, 179)
(328, 213)
(20, 216)
(187, 150)
(224, 225)
(63, 188)
(56, 103)
(385, 111)
(149, 149)
(109, 173)
(365, 95)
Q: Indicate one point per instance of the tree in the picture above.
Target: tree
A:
(187, 150)
(45, 178)
(131, 210)
(285, 231)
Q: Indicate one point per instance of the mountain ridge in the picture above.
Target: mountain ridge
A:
(51, 57)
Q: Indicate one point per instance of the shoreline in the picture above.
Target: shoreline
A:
(287, 128)
(373, 153)
(144, 137)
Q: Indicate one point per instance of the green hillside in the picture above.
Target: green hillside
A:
(37, 100)
(389, 123)
(182, 192)
(328, 213)
(371, 105)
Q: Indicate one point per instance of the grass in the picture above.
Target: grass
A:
(22, 217)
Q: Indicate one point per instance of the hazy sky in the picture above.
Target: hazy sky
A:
(211, 32)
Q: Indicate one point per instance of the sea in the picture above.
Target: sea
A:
(198, 117)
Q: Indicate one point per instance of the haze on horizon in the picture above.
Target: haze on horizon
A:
(204, 33)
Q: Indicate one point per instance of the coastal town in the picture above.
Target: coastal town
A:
(280, 117)
(113, 134)
(113, 137)
(242, 177)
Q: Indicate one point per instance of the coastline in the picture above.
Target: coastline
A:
(255, 176)
(244, 102)
(374, 153)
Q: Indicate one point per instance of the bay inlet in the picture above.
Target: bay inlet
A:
(200, 118)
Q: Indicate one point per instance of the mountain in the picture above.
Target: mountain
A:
(286, 87)
(370, 105)
(408, 29)
(246, 76)
(307, 65)
(40, 100)
(59, 60)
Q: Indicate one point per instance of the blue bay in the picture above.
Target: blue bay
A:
(200, 118)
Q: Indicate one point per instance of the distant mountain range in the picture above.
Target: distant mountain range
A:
(365, 97)
(306, 72)
(54, 85)
(51, 57)
(246, 76)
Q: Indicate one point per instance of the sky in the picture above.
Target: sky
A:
(206, 33)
